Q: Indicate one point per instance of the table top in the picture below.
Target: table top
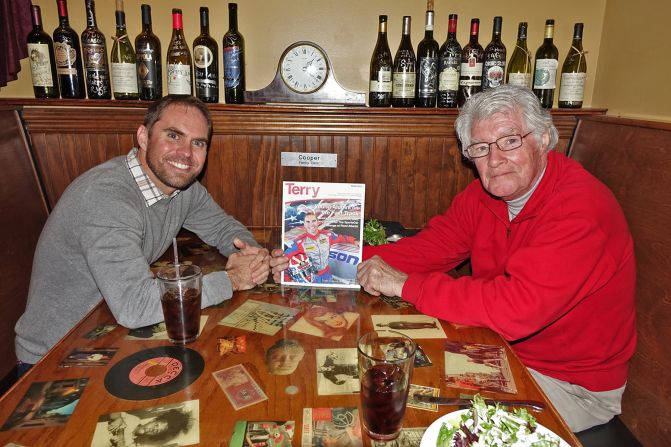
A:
(287, 395)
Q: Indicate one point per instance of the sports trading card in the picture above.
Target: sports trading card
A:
(169, 425)
(331, 426)
(421, 359)
(46, 404)
(232, 345)
(425, 390)
(100, 331)
(337, 371)
(263, 433)
(257, 316)
(89, 357)
(328, 322)
(413, 326)
(239, 387)
(478, 367)
(157, 331)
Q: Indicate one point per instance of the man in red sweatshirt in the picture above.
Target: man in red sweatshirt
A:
(553, 268)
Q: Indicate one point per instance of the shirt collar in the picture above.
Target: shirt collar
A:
(148, 188)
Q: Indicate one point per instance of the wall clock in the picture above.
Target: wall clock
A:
(305, 75)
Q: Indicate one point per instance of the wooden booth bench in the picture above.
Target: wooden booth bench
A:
(633, 158)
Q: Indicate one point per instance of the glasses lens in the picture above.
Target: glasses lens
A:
(509, 142)
(478, 150)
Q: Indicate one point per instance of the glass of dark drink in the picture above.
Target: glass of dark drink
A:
(180, 287)
(385, 370)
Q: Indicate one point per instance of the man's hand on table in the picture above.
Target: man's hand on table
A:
(278, 264)
(379, 278)
(248, 267)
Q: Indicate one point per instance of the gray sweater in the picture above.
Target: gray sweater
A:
(98, 244)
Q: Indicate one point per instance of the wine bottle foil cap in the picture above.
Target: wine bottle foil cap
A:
(383, 18)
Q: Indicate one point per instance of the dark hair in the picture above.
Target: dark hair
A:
(177, 421)
(155, 110)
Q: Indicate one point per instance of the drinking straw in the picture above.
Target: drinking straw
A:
(179, 282)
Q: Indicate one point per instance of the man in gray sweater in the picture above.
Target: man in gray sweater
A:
(116, 219)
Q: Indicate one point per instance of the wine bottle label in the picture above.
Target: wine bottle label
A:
(521, 79)
(146, 69)
(124, 77)
(65, 57)
(449, 79)
(383, 83)
(428, 70)
(206, 87)
(202, 56)
(40, 65)
(545, 76)
(471, 74)
(572, 87)
(94, 56)
(179, 79)
(404, 85)
(493, 74)
(232, 68)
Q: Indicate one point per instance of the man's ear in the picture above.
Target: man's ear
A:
(142, 135)
(545, 141)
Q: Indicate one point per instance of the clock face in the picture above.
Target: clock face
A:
(304, 68)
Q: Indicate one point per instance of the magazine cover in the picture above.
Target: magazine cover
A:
(322, 233)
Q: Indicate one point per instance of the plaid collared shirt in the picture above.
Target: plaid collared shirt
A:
(149, 190)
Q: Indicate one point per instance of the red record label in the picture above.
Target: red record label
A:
(155, 371)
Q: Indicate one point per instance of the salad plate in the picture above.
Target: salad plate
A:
(453, 419)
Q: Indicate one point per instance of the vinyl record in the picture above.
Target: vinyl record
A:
(154, 373)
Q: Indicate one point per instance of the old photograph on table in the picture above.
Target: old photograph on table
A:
(88, 357)
(478, 367)
(322, 233)
(257, 316)
(337, 371)
(165, 425)
(413, 326)
(328, 322)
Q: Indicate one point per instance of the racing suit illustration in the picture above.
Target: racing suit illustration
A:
(317, 248)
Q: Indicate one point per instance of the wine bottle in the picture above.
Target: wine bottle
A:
(545, 69)
(179, 59)
(573, 73)
(494, 64)
(124, 62)
(381, 64)
(470, 78)
(42, 60)
(450, 66)
(149, 65)
(519, 69)
(234, 59)
(427, 66)
(403, 75)
(68, 55)
(94, 51)
(206, 61)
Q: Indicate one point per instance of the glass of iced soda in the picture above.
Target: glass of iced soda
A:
(180, 287)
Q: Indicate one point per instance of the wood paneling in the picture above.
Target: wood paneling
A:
(409, 159)
(633, 158)
(23, 212)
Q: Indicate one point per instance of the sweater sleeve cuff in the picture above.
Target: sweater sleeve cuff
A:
(412, 289)
(217, 287)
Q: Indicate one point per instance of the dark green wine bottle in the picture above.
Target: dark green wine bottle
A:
(42, 60)
(545, 69)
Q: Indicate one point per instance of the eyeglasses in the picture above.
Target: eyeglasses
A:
(507, 143)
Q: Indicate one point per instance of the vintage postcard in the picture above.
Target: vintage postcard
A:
(478, 367)
(322, 233)
(337, 371)
(240, 388)
(331, 426)
(100, 331)
(89, 357)
(157, 331)
(257, 316)
(414, 326)
(263, 433)
(327, 322)
(168, 425)
(421, 359)
(425, 390)
(46, 404)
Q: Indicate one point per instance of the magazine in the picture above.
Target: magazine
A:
(322, 233)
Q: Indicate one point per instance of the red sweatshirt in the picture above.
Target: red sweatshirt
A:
(558, 281)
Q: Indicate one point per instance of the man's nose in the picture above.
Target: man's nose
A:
(184, 149)
(496, 155)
